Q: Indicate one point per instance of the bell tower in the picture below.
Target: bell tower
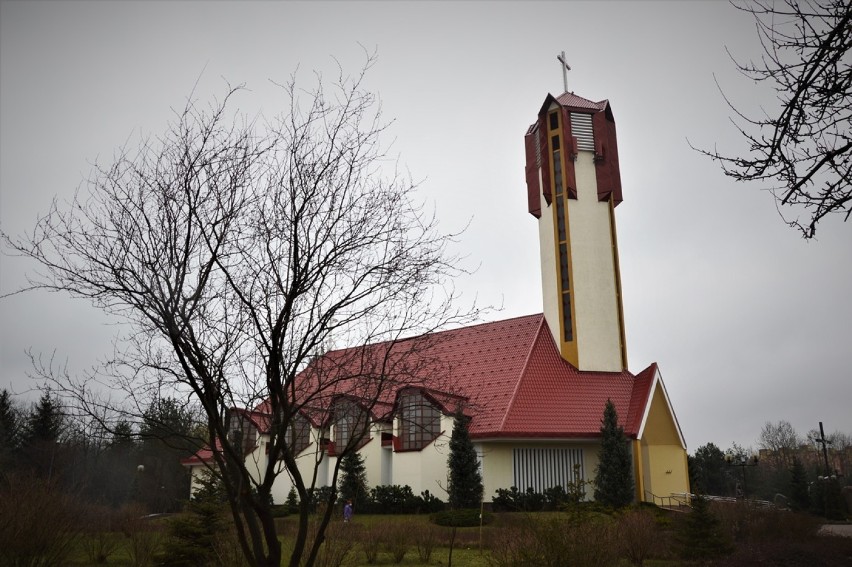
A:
(573, 186)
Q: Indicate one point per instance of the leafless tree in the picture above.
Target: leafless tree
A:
(781, 441)
(238, 250)
(804, 148)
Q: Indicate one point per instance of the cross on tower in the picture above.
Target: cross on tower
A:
(565, 69)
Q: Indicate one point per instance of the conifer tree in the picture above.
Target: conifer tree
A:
(465, 483)
(45, 420)
(10, 430)
(700, 534)
(42, 430)
(613, 478)
(799, 497)
(353, 479)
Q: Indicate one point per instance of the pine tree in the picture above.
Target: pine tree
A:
(799, 497)
(10, 430)
(42, 430)
(613, 479)
(465, 483)
(353, 479)
(700, 534)
(45, 421)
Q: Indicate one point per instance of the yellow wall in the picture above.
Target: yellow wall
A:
(663, 456)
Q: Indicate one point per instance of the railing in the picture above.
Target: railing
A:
(674, 500)
(684, 500)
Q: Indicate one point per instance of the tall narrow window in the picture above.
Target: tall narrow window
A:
(350, 420)
(420, 421)
(298, 435)
(561, 228)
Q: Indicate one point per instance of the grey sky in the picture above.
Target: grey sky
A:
(748, 322)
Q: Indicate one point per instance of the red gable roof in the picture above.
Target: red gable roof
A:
(509, 376)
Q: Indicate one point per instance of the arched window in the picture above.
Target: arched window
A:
(420, 420)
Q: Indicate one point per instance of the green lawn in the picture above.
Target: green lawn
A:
(792, 540)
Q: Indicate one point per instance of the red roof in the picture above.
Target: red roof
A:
(509, 376)
(573, 101)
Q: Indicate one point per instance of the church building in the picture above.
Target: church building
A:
(534, 387)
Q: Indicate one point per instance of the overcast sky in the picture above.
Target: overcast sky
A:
(748, 322)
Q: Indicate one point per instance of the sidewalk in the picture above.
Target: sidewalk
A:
(844, 530)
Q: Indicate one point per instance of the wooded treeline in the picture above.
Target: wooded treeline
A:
(137, 463)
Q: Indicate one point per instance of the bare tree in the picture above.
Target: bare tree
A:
(805, 147)
(239, 250)
(781, 441)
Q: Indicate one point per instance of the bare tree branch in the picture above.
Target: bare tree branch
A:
(805, 148)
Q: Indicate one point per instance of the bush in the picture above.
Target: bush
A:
(426, 538)
(227, 550)
(336, 547)
(393, 499)
(466, 518)
(556, 540)
(638, 535)
(748, 523)
(371, 542)
(98, 542)
(398, 536)
(38, 522)
(428, 503)
(513, 500)
(193, 535)
(700, 533)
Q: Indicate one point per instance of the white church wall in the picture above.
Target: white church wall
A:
(596, 306)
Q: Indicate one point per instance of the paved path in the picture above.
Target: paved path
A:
(836, 530)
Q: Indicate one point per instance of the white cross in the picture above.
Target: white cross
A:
(565, 69)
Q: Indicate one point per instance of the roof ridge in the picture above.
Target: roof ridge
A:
(522, 372)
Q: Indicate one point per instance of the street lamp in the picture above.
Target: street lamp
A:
(741, 460)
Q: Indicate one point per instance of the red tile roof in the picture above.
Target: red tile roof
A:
(574, 101)
(509, 375)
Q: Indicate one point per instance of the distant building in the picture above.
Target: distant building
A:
(534, 387)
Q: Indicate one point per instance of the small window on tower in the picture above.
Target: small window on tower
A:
(566, 317)
(554, 121)
(554, 143)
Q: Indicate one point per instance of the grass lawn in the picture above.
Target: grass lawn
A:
(346, 544)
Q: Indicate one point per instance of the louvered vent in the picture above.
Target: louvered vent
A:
(581, 128)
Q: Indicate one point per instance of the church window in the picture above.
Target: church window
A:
(566, 316)
(562, 216)
(420, 420)
(541, 469)
(298, 435)
(350, 420)
(241, 431)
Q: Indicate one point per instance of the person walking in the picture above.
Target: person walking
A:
(347, 511)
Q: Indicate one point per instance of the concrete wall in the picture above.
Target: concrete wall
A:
(598, 328)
